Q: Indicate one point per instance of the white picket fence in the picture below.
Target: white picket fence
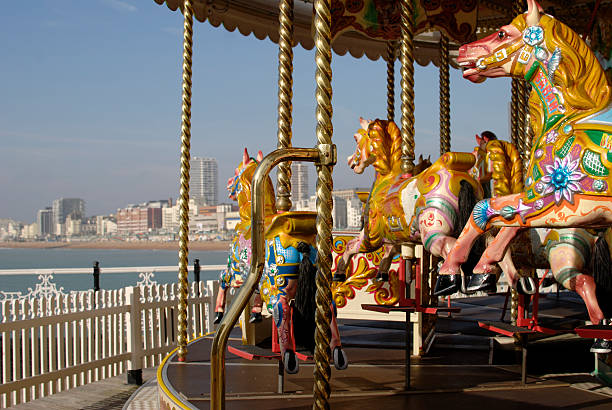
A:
(54, 343)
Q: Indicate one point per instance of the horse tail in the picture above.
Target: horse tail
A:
(305, 303)
(601, 267)
(466, 201)
(506, 179)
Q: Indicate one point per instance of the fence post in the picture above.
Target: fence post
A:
(134, 335)
(196, 271)
(96, 276)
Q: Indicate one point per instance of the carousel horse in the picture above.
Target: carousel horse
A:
(238, 263)
(234, 275)
(566, 252)
(568, 178)
(288, 286)
(430, 207)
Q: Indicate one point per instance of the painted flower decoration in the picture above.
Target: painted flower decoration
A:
(551, 136)
(561, 178)
(533, 35)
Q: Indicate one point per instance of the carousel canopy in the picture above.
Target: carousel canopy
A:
(362, 27)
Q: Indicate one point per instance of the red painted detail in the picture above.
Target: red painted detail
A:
(251, 356)
(594, 332)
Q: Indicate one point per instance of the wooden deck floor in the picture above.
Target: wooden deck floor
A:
(456, 374)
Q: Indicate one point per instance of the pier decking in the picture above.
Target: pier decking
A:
(460, 369)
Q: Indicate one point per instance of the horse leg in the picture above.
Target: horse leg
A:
(220, 305)
(282, 318)
(352, 247)
(255, 316)
(566, 263)
(385, 262)
(338, 353)
(486, 214)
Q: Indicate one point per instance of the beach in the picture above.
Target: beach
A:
(155, 245)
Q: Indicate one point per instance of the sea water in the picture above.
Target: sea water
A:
(26, 258)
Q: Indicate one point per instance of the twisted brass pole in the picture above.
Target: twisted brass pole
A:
(323, 76)
(184, 190)
(390, 81)
(517, 107)
(285, 96)
(445, 142)
(407, 72)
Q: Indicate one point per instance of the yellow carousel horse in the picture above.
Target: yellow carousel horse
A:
(430, 207)
(570, 106)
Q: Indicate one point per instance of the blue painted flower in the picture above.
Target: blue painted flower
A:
(533, 35)
(562, 177)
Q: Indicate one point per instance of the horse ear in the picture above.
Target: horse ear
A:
(421, 158)
(245, 157)
(364, 123)
(533, 13)
(259, 156)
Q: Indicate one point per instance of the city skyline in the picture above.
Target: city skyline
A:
(92, 109)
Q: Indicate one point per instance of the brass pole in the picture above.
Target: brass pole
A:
(514, 103)
(217, 351)
(390, 81)
(285, 96)
(517, 106)
(445, 140)
(407, 72)
(323, 77)
(184, 190)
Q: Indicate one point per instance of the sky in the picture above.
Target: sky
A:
(90, 103)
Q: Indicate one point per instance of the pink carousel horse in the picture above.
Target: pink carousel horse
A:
(568, 180)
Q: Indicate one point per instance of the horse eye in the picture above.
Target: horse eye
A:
(501, 35)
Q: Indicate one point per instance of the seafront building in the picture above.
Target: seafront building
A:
(142, 218)
(63, 207)
(299, 182)
(44, 219)
(203, 180)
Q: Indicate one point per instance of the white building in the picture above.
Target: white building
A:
(203, 180)
(299, 181)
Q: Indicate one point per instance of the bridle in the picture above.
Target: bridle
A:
(528, 44)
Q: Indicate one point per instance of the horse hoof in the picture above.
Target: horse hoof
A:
(218, 317)
(340, 359)
(447, 285)
(292, 366)
(601, 346)
(526, 286)
(254, 317)
(339, 277)
(484, 282)
(382, 276)
(548, 281)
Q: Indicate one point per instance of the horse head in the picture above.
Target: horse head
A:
(362, 157)
(378, 143)
(234, 183)
(507, 52)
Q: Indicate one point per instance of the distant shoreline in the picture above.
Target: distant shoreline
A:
(194, 245)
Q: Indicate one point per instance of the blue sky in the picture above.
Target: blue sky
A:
(90, 103)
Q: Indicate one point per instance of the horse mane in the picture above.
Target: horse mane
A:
(245, 195)
(579, 76)
(385, 140)
(506, 179)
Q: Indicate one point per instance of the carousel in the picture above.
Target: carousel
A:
(431, 229)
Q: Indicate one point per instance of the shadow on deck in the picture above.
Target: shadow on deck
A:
(459, 372)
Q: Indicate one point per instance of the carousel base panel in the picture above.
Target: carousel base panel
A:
(459, 369)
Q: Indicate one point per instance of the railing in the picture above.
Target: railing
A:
(55, 342)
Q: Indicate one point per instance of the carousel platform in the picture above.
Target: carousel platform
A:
(467, 366)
